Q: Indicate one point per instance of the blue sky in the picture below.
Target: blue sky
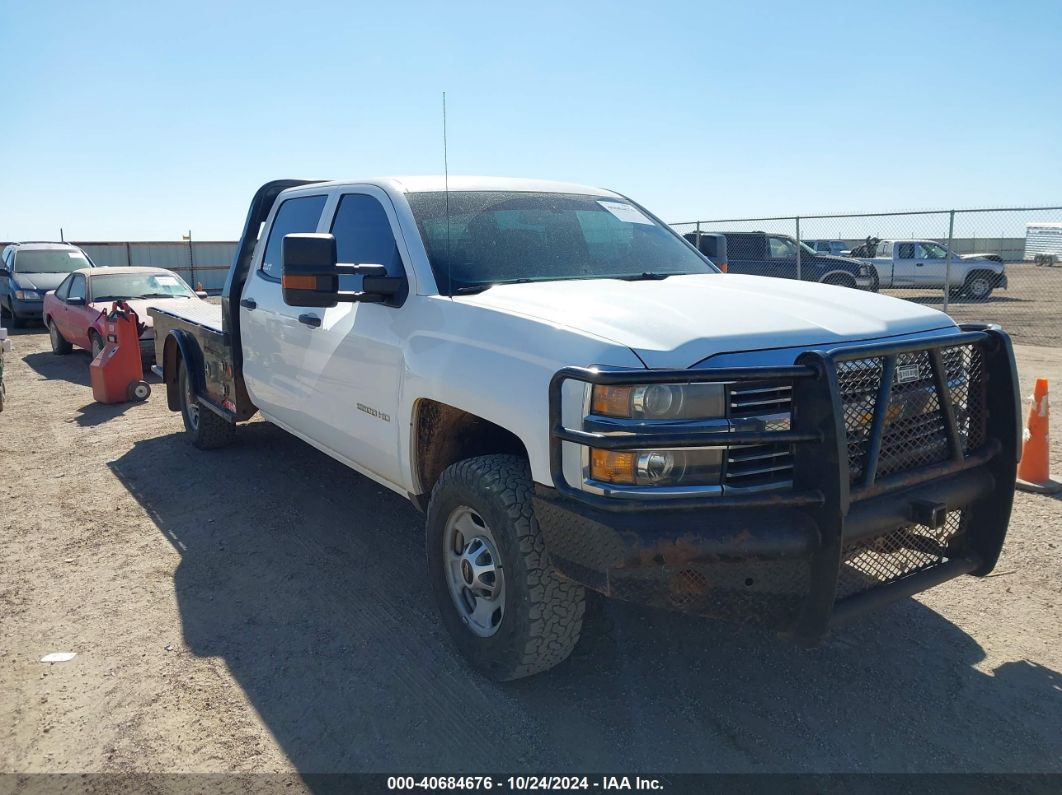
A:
(141, 120)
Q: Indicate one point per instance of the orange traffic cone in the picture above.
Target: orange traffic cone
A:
(1034, 471)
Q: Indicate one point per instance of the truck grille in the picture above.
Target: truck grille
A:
(767, 407)
(915, 432)
(897, 554)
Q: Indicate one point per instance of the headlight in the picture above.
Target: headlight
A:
(690, 467)
(659, 401)
(644, 405)
(864, 270)
(27, 295)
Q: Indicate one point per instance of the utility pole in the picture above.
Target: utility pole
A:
(191, 257)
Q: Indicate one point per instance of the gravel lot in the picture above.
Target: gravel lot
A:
(1028, 309)
(262, 608)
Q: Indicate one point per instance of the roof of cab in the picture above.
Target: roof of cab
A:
(35, 245)
(437, 183)
(108, 270)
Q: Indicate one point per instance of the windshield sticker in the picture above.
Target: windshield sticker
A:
(626, 212)
(74, 254)
(165, 281)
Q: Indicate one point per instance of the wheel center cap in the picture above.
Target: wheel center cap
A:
(466, 571)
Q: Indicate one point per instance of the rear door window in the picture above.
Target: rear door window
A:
(295, 215)
(905, 250)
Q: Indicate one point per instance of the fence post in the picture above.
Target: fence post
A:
(947, 261)
(698, 235)
(798, 247)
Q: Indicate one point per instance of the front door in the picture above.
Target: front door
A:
(781, 258)
(930, 264)
(353, 366)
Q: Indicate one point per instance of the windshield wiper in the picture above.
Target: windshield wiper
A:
(161, 295)
(473, 289)
(646, 276)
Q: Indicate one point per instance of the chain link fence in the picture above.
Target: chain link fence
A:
(999, 266)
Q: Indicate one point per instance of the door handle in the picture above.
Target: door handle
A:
(919, 264)
(248, 303)
(310, 320)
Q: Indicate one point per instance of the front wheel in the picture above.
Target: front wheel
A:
(59, 344)
(16, 321)
(840, 280)
(979, 285)
(207, 430)
(504, 606)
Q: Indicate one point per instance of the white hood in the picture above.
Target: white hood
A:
(677, 322)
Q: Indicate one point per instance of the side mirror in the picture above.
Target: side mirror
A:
(202, 294)
(309, 275)
(4, 272)
(77, 300)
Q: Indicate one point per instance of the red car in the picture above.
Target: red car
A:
(73, 312)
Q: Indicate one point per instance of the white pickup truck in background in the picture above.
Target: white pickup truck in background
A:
(924, 264)
(577, 398)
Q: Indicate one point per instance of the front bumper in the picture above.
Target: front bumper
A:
(864, 282)
(836, 544)
(27, 309)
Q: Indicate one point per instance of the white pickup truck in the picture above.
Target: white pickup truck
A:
(577, 398)
(924, 264)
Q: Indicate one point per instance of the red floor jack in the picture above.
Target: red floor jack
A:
(117, 374)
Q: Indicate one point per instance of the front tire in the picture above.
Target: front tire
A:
(16, 321)
(59, 344)
(840, 280)
(979, 285)
(207, 430)
(506, 609)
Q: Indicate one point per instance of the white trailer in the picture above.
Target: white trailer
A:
(1043, 243)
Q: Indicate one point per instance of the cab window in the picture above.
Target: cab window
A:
(299, 214)
(781, 248)
(77, 287)
(363, 234)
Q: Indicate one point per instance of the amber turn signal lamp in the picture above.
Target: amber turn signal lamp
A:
(611, 401)
(612, 466)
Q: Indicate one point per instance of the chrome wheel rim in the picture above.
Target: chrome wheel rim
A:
(979, 288)
(474, 573)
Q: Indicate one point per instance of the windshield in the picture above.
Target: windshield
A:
(56, 260)
(139, 285)
(808, 249)
(497, 237)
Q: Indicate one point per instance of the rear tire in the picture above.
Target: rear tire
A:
(485, 550)
(60, 346)
(207, 430)
(96, 344)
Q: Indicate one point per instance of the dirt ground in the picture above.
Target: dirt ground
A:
(262, 608)
(1028, 309)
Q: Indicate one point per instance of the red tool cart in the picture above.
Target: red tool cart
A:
(117, 374)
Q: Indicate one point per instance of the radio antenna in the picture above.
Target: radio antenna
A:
(446, 194)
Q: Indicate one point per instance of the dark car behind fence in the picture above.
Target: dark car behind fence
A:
(1025, 242)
